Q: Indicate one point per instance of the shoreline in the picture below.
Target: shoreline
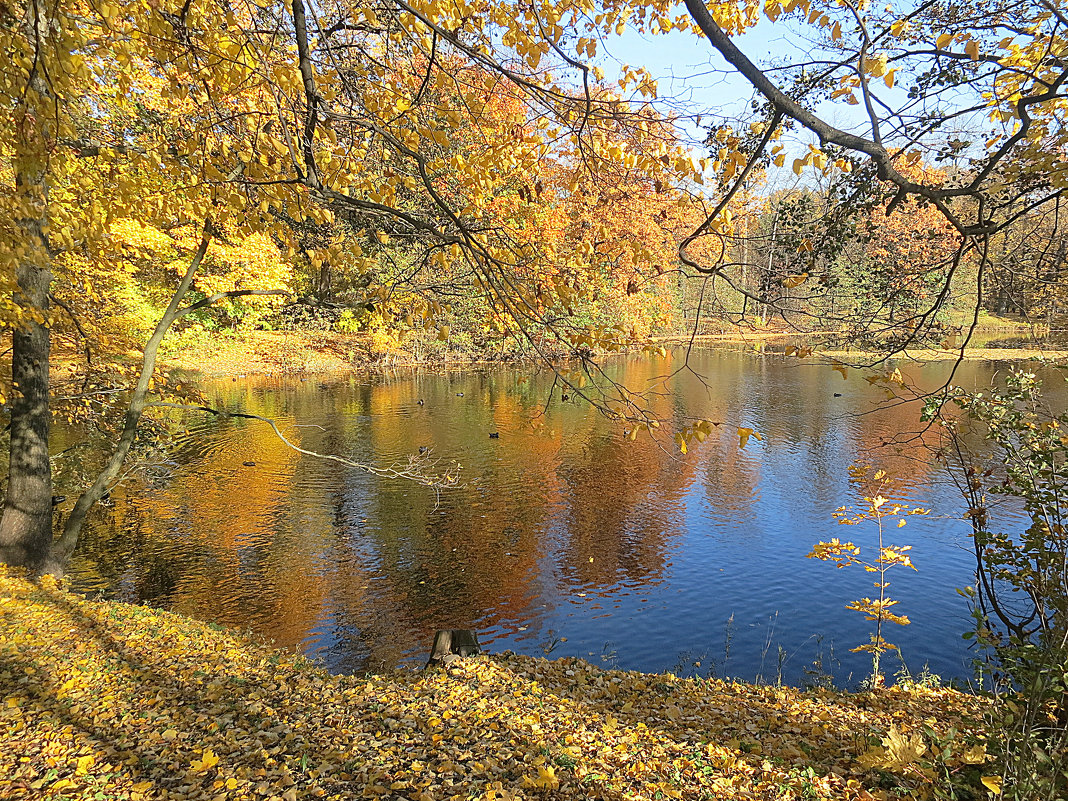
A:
(271, 353)
(137, 703)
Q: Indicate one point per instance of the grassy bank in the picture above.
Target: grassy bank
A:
(102, 700)
(281, 352)
(286, 352)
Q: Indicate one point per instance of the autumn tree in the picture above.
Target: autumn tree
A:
(1028, 261)
(973, 88)
(213, 125)
(826, 258)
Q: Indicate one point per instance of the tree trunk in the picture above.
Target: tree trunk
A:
(26, 524)
(61, 550)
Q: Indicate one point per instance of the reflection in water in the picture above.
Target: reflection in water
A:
(566, 535)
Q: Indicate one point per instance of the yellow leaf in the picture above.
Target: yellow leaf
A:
(943, 40)
(545, 779)
(795, 280)
(899, 27)
(841, 368)
(798, 166)
(993, 784)
(207, 761)
(744, 434)
(84, 763)
(902, 749)
(876, 65)
(888, 79)
(972, 49)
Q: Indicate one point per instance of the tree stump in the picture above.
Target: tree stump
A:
(451, 645)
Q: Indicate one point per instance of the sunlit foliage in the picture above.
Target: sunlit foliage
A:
(136, 704)
(876, 508)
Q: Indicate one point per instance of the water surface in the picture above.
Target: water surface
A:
(565, 538)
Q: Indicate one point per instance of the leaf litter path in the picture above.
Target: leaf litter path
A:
(104, 700)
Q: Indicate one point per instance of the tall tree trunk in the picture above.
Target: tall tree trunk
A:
(26, 524)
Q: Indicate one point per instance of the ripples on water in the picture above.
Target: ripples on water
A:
(566, 538)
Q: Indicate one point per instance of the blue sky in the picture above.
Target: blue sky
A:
(694, 79)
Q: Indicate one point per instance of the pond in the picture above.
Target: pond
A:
(565, 537)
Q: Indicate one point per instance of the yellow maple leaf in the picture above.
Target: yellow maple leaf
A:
(744, 434)
(903, 749)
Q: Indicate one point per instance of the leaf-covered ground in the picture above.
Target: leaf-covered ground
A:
(102, 700)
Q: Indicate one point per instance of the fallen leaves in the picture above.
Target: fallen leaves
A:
(899, 750)
(206, 762)
(126, 703)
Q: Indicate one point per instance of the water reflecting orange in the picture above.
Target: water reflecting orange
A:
(564, 528)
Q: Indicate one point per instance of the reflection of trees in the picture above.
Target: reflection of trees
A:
(622, 496)
(813, 435)
(615, 531)
(405, 566)
(299, 549)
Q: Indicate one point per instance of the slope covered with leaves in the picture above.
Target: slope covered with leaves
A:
(107, 700)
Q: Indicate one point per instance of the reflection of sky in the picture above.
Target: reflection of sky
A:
(566, 537)
(738, 572)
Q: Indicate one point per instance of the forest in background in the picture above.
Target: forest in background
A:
(808, 263)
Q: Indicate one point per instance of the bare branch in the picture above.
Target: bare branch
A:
(415, 469)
